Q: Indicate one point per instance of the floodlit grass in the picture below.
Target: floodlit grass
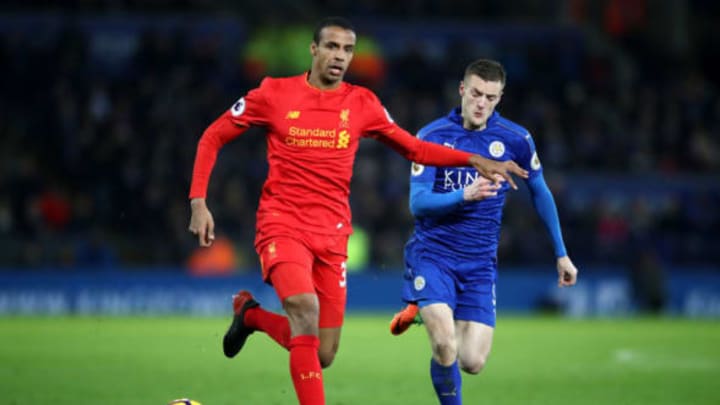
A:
(555, 361)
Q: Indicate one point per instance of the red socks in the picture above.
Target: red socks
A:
(305, 367)
(305, 370)
(276, 326)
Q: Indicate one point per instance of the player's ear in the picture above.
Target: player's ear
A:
(461, 88)
(313, 48)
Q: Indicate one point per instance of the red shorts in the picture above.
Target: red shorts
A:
(322, 259)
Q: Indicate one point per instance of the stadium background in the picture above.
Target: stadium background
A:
(103, 103)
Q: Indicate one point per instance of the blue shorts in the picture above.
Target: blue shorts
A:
(467, 288)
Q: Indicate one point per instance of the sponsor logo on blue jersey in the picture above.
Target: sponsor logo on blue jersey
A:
(456, 179)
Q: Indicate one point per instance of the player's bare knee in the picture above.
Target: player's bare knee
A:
(301, 304)
(326, 358)
(303, 313)
(445, 353)
(329, 344)
(473, 366)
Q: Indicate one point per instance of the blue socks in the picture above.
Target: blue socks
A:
(447, 383)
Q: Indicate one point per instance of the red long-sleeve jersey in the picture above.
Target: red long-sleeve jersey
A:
(312, 138)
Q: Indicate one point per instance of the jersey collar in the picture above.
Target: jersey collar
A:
(305, 76)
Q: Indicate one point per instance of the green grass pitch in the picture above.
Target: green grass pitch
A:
(64, 361)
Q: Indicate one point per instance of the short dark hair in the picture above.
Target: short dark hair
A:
(331, 22)
(486, 69)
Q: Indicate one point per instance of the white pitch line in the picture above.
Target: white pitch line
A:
(645, 360)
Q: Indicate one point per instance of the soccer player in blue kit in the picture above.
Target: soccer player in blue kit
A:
(451, 258)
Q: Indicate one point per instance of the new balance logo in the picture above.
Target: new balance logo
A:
(292, 115)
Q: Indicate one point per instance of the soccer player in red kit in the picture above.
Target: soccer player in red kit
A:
(314, 123)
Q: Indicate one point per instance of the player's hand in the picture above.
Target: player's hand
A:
(567, 273)
(482, 188)
(488, 168)
(201, 222)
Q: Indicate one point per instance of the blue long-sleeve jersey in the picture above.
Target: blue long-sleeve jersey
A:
(469, 231)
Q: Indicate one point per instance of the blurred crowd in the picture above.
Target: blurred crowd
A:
(99, 127)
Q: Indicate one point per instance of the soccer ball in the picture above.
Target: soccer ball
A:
(184, 401)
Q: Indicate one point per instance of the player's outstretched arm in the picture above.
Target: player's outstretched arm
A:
(489, 168)
(201, 222)
(567, 273)
(432, 154)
